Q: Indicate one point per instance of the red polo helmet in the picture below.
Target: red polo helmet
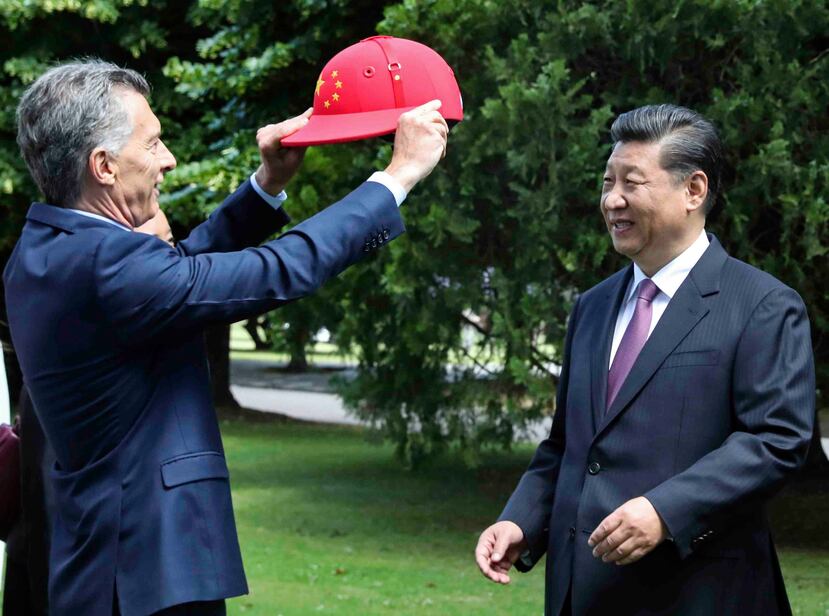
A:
(364, 89)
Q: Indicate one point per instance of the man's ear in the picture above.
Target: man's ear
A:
(102, 167)
(696, 187)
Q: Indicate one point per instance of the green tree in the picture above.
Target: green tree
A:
(508, 228)
(458, 325)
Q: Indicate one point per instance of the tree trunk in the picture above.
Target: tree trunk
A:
(217, 339)
(297, 339)
(252, 328)
(299, 362)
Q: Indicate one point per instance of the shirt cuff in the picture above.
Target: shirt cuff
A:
(274, 201)
(381, 177)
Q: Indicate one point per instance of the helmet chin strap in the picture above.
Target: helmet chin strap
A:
(395, 71)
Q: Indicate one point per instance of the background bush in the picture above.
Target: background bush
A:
(457, 326)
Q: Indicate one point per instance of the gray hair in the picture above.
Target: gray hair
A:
(689, 142)
(66, 113)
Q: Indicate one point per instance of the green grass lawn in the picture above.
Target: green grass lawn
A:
(330, 523)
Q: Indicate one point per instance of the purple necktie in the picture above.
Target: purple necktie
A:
(634, 339)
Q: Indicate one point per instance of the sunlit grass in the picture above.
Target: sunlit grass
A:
(330, 523)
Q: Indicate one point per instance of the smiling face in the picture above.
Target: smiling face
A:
(651, 216)
(141, 164)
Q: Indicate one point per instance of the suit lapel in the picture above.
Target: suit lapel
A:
(602, 339)
(684, 311)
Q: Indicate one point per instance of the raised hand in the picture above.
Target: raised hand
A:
(498, 548)
(279, 164)
(419, 143)
(159, 227)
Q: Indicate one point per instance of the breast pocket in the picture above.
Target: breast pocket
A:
(692, 358)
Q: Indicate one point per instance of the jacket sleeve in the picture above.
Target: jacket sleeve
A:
(531, 504)
(146, 292)
(243, 220)
(773, 408)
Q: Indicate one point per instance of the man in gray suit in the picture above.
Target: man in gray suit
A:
(686, 399)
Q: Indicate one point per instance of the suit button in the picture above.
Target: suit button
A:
(374, 242)
(386, 234)
(572, 531)
(593, 468)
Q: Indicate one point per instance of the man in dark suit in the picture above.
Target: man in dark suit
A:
(108, 327)
(686, 399)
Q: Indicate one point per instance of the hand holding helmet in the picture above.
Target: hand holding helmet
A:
(279, 163)
(419, 143)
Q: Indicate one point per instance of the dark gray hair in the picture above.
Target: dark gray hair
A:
(689, 142)
(65, 114)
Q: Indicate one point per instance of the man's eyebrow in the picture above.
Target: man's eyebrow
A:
(625, 168)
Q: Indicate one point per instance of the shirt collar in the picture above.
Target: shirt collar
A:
(98, 217)
(673, 274)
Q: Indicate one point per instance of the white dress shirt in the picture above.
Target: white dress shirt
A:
(381, 177)
(99, 217)
(668, 279)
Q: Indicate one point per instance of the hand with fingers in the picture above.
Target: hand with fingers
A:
(279, 164)
(158, 226)
(629, 533)
(498, 548)
(419, 143)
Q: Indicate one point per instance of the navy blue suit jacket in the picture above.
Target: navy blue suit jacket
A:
(108, 325)
(715, 414)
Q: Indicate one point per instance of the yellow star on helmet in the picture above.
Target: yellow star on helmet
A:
(334, 74)
(319, 85)
(327, 104)
(335, 96)
(339, 84)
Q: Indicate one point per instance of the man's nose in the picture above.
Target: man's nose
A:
(613, 200)
(168, 161)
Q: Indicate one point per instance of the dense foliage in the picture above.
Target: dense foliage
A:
(509, 228)
(457, 326)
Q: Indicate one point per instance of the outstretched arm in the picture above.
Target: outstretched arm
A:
(147, 292)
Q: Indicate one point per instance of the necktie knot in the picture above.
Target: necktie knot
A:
(647, 290)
